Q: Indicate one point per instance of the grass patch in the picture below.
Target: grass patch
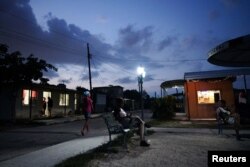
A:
(183, 124)
(191, 124)
(97, 153)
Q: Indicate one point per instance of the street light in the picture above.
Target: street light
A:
(141, 74)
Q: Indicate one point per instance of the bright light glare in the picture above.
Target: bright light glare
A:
(140, 71)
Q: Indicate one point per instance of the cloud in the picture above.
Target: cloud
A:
(94, 74)
(126, 80)
(213, 15)
(65, 46)
(231, 3)
(59, 43)
(130, 38)
(101, 19)
(51, 74)
(64, 43)
(168, 41)
(149, 78)
(65, 81)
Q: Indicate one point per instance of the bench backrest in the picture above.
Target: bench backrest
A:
(112, 125)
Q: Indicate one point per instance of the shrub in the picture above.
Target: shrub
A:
(164, 108)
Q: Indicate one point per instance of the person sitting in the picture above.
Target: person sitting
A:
(224, 116)
(127, 120)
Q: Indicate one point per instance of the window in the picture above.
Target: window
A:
(64, 99)
(27, 94)
(208, 96)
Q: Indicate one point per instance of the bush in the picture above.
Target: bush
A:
(164, 108)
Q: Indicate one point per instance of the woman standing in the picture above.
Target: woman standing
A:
(44, 106)
(87, 110)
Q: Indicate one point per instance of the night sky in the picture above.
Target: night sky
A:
(166, 37)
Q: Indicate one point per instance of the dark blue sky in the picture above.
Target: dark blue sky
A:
(167, 37)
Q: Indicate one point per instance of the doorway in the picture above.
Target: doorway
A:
(46, 95)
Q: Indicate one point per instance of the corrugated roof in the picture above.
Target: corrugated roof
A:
(216, 74)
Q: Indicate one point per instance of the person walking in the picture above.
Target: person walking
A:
(87, 110)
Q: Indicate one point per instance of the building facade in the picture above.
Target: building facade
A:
(27, 102)
(104, 97)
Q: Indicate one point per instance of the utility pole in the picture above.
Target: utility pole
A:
(89, 57)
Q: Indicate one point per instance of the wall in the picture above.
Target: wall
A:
(6, 98)
(205, 111)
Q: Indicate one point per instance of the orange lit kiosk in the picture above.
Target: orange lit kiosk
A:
(204, 89)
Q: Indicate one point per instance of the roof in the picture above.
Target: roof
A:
(216, 74)
(232, 53)
(108, 87)
(172, 83)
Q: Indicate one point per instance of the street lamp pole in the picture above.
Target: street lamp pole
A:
(141, 75)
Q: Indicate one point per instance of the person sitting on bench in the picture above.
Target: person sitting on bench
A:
(127, 120)
(225, 116)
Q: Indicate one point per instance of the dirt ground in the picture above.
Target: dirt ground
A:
(174, 149)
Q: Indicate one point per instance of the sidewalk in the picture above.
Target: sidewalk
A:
(53, 155)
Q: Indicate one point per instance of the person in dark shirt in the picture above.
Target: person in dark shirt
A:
(50, 105)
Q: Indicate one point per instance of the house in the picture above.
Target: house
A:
(202, 90)
(27, 102)
(104, 97)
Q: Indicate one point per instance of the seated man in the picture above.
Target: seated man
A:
(222, 111)
(224, 116)
(127, 120)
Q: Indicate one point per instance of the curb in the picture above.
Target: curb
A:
(63, 120)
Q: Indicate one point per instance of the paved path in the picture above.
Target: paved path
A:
(53, 155)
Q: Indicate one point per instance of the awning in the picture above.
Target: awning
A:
(232, 53)
(173, 83)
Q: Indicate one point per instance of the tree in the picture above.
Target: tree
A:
(135, 95)
(16, 71)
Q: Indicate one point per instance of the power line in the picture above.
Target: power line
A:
(125, 59)
(30, 39)
(126, 71)
(98, 76)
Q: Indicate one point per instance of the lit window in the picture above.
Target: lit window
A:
(64, 100)
(208, 96)
(27, 94)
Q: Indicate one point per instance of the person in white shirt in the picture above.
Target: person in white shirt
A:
(225, 116)
(127, 120)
